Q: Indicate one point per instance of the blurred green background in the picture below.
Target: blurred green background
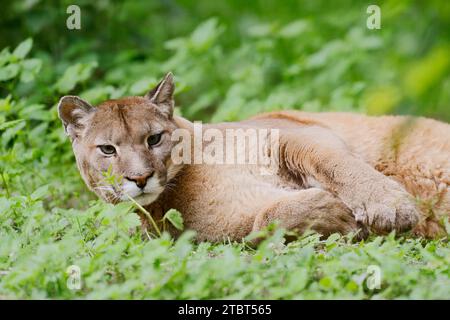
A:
(231, 59)
(236, 58)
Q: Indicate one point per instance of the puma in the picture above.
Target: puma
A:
(336, 172)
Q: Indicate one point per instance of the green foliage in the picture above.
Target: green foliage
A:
(13, 64)
(175, 218)
(231, 59)
(73, 75)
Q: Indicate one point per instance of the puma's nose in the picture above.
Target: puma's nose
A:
(141, 180)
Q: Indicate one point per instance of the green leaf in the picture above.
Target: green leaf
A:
(30, 68)
(97, 94)
(9, 124)
(261, 30)
(9, 72)
(11, 132)
(142, 86)
(326, 282)
(204, 36)
(131, 220)
(40, 192)
(294, 29)
(333, 238)
(35, 111)
(5, 56)
(175, 218)
(23, 48)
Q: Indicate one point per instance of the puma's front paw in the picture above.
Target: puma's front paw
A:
(386, 206)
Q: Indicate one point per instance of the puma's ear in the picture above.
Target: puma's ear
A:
(162, 95)
(72, 110)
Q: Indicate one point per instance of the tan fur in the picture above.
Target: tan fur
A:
(337, 171)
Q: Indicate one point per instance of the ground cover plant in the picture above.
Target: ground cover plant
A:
(231, 59)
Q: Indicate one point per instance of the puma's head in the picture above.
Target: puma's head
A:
(129, 137)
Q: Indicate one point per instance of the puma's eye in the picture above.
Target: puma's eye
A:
(107, 149)
(154, 139)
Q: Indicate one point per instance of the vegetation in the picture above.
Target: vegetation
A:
(231, 59)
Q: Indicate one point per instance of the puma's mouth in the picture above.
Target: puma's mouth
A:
(146, 198)
(143, 196)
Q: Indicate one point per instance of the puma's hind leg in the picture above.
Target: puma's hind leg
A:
(310, 209)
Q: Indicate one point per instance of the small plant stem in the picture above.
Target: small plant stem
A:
(82, 237)
(146, 213)
(5, 185)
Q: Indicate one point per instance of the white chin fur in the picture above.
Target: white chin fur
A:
(144, 197)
